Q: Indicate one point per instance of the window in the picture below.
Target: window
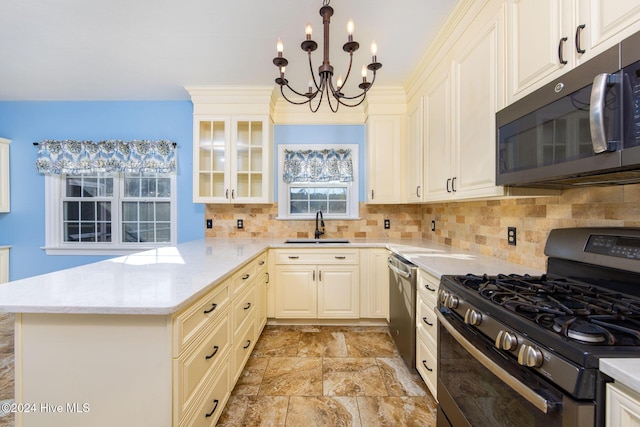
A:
(302, 197)
(110, 213)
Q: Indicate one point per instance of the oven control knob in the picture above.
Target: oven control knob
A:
(530, 356)
(506, 341)
(472, 317)
(452, 301)
(443, 295)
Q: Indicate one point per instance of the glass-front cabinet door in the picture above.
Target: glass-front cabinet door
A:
(249, 138)
(231, 156)
(211, 177)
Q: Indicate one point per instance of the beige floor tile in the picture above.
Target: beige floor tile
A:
(277, 343)
(324, 343)
(266, 411)
(292, 376)
(399, 380)
(397, 411)
(251, 377)
(319, 411)
(370, 344)
(352, 377)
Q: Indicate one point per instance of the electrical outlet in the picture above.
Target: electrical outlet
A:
(387, 224)
(511, 236)
(209, 223)
(433, 226)
(240, 224)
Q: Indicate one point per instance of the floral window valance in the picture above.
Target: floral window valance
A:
(317, 165)
(76, 157)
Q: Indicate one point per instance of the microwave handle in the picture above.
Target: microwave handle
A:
(596, 113)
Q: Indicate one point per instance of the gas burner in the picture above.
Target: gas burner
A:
(582, 330)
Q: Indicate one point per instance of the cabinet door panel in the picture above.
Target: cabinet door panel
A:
(296, 291)
(437, 138)
(413, 186)
(384, 148)
(476, 100)
(338, 291)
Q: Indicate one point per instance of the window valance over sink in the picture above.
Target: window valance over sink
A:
(76, 157)
(317, 165)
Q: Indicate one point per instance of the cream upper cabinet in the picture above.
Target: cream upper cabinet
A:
(4, 264)
(459, 116)
(384, 147)
(5, 199)
(413, 187)
(232, 159)
(547, 38)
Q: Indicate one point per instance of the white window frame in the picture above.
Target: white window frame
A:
(353, 196)
(54, 240)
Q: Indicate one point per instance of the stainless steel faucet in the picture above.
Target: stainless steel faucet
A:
(319, 233)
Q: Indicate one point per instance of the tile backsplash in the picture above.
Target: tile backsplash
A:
(480, 226)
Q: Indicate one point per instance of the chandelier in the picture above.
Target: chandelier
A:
(321, 86)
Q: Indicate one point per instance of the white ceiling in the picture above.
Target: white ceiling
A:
(151, 49)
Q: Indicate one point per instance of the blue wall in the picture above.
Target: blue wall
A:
(27, 122)
(321, 134)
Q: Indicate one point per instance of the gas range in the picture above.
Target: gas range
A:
(555, 326)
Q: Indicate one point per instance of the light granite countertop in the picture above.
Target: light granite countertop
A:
(623, 371)
(165, 280)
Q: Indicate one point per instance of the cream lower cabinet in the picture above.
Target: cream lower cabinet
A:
(322, 284)
(622, 407)
(427, 330)
(150, 370)
(374, 283)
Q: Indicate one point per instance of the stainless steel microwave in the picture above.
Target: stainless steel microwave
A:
(581, 129)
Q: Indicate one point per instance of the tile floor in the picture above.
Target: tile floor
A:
(328, 376)
(305, 376)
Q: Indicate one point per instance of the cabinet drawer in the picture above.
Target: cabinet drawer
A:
(426, 319)
(243, 278)
(242, 347)
(194, 366)
(427, 366)
(243, 308)
(428, 286)
(315, 256)
(209, 403)
(189, 323)
(261, 262)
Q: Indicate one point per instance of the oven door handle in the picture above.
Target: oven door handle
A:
(532, 397)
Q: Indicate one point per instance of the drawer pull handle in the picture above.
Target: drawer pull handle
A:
(424, 319)
(268, 279)
(261, 263)
(293, 257)
(426, 285)
(215, 350)
(424, 363)
(248, 344)
(248, 306)
(245, 277)
(213, 307)
(340, 257)
(215, 406)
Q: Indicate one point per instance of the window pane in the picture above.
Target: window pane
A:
(108, 187)
(315, 206)
(130, 211)
(104, 232)
(337, 207)
(87, 232)
(163, 232)
(130, 232)
(132, 186)
(298, 207)
(90, 187)
(146, 211)
(71, 211)
(144, 187)
(71, 232)
(319, 193)
(163, 211)
(87, 211)
(104, 211)
(164, 187)
(74, 186)
(338, 194)
(146, 233)
(297, 193)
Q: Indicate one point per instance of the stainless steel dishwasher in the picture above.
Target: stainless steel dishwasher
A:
(402, 307)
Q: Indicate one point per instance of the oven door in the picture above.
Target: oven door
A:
(478, 386)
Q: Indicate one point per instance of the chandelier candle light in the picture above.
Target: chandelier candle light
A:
(325, 84)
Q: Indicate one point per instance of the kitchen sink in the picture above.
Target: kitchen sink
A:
(317, 241)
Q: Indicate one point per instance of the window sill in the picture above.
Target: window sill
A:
(61, 250)
(313, 217)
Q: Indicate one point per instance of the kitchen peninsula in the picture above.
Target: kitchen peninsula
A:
(121, 339)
